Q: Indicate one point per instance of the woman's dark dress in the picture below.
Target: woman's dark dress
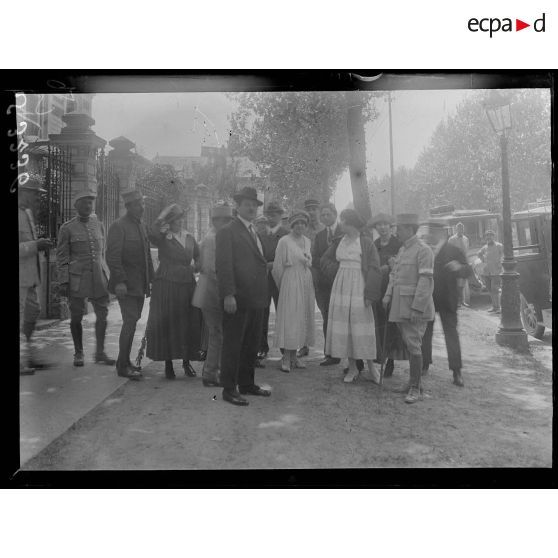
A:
(173, 325)
(395, 348)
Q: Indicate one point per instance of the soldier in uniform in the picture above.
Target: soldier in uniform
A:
(83, 274)
(29, 271)
(131, 274)
(409, 295)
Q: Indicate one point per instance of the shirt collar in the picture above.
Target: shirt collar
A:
(410, 241)
(247, 224)
(275, 229)
(133, 219)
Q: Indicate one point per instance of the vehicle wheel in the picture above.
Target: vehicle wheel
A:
(530, 319)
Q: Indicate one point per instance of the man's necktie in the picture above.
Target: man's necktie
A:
(255, 237)
(329, 235)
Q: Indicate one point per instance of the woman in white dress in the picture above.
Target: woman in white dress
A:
(354, 262)
(294, 323)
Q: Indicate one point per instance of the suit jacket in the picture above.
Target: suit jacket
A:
(445, 281)
(241, 268)
(129, 256)
(411, 282)
(370, 265)
(271, 241)
(80, 257)
(175, 260)
(319, 247)
(29, 270)
(206, 294)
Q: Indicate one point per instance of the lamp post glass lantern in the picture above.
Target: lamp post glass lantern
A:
(511, 332)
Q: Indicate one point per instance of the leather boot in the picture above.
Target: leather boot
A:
(100, 355)
(458, 378)
(169, 370)
(77, 336)
(415, 365)
(388, 369)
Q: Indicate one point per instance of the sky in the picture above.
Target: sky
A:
(180, 123)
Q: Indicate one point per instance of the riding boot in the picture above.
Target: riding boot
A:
(100, 332)
(77, 336)
(415, 365)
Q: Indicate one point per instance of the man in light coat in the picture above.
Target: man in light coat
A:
(409, 295)
(29, 272)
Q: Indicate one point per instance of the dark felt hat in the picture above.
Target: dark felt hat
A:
(221, 210)
(247, 193)
(171, 213)
(380, 218)
(274, 207)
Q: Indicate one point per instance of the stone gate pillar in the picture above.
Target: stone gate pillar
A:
(122, 160)
(83, 145)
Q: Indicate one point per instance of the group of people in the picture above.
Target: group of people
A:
(377, 297)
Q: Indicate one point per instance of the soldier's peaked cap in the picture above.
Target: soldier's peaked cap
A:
(132, 195)
(82, 195)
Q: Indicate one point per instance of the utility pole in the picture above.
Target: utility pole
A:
(392, 191)
(357, 154)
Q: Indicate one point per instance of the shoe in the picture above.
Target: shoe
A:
(492, 311)
(234, 398)
(26, 371)
(129, 373)
(359, 365)
(188, 370)
(169, 371)
(299, 364)
(424, 370)
(38, 364)
(330, 361)
(405, 388)
(371, 375)
(497, 311)
(285, 365)
(210, 383)
(388, 369)
(302, 352)
(78, 359)
(201, 356)
(102, 358)
(458, 378)
(254, 390)
(413, 396)
(262, 355)
(259, 364)
(351, 376)
(134, 367)
(466, 305)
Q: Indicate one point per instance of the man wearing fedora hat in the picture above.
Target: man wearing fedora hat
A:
(131, 273)
(273, 212)
(206, 296)
(409, 295)
(30, 245)
(83, 274)
(241, 268)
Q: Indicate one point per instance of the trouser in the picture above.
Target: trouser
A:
(463, 293)
(453, 347)
(322, 300)
(78, 307)
(273, 294)
(130, 307)
(493, 284)
(241, 335)
(29, 310)
(213, 319)
(412, 334)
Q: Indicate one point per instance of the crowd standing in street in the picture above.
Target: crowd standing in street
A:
(294, 321)
(450, 265)
(206, 297)
(389, 345)
(492, 255)
(462, 242)
(322, 283)
(353, 260)
(29, 273)
(171, 326)
(409, 296)
(83, 274)
(242, 277)
(131, 274)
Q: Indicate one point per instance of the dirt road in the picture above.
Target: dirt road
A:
(501, 418)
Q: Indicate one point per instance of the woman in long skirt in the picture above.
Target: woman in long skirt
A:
(294, 323)
(350, 328)
(170, 323)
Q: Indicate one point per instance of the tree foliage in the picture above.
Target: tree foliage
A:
(462, 163)
(297, 139)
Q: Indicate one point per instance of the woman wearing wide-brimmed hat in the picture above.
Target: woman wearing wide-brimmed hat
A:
(170, 323)
(294, 322)
(388, 246)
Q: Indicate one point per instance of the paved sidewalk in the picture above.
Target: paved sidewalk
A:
(51, 401)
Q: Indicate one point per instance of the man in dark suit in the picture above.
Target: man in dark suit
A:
(128, 257)
(450, 264)
(241, 269)
(275, 230)
(322, 285)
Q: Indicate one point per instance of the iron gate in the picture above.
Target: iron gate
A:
(107, 205)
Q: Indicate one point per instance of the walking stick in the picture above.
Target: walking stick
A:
(384, 344)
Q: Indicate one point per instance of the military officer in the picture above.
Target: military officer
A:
(29, 271)
(83, 274)
(409, 295)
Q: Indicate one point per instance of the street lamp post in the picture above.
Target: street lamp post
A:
(511, 332)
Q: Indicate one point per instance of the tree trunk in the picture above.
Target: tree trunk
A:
(357, 154)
